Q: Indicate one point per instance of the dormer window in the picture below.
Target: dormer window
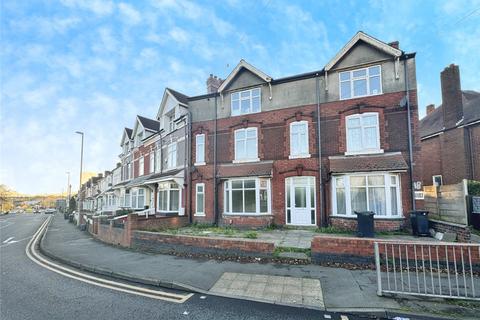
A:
(138, 138)
(247, 101)
(360, 82)
(171, 122)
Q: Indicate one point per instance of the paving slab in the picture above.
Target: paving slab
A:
(276, 289)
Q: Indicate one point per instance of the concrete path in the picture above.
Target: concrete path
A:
(341, 288)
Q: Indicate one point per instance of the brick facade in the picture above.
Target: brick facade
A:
(387, 224)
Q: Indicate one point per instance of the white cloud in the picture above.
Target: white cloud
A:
(98, 7)
(179, 35)
(129, 13)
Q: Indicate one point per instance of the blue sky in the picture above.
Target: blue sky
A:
(73, 65)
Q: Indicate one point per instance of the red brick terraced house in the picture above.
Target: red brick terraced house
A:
(256, 142)
(450, 134)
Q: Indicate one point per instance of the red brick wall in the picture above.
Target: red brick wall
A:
(167, 243)
(463, 232)
(361, 250)
(157, 222)
(116, 236)
(247, 221)
(379, 224)
(273, 133)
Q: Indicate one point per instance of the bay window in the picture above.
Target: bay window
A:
(246, 146)
(138, 198)
(247, 196)
(377, 192)
(360, 82)
(363, 133)
(199, 149)
(247, 101)
(299, 139)
(168, 197)
(127, 202)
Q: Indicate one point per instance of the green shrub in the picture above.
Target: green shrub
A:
(473, 187)
(251, 235)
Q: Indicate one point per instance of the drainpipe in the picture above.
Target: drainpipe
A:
(215, 196)
(409, 122)
(319, 146)
(188, 161)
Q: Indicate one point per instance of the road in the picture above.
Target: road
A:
(30, 291)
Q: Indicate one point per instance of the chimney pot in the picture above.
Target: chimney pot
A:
(213, 83)
(430, 108)
(394, 44)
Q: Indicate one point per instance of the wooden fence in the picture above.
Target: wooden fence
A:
(447, 202)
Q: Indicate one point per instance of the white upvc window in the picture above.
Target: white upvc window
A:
(363, 133)
(171, 122)
(247, 196)
(138, 198)
(437, 180)
(138, 138)
(360, 82)
(171, 155)
(158, 159)
(200, 149)
(246, 145)
(299, 140)
(152, 161)
(141, 166)
(200, 199)
(130, 171)
(127, 202)
(376, 192)
(247, 101)
(168, 197)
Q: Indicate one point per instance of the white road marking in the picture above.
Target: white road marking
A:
(8, 224)
(71, 273)
(14, 241)
(8, 239)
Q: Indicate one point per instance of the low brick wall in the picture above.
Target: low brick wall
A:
(462, 231)
(331, 249)
(168, 243)
(350, 223)
(109, 234)
(157, 222)
(248, 222)
(360, 251)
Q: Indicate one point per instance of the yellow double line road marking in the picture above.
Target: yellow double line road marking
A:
(31, 252)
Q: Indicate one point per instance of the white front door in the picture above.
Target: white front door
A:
(300, 201)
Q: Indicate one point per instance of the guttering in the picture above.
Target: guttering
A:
(319, 146)
(215, 196)
(410, 146)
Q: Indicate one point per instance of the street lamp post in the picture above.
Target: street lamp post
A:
(67, 204)
(81, 167)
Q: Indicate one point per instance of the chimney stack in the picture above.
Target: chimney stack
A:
(451, 96)
(430, 108)
(394, 44)
(213, 83)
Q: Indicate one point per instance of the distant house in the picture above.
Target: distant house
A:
(450, 134)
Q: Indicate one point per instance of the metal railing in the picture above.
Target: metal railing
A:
(444, 270)
(146, 212)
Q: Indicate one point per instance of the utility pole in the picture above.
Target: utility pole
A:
(81, 167)
(67, 204)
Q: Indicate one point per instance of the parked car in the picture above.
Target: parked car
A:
(50, 211)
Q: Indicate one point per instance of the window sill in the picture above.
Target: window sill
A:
(199, 214)
(358, 97)
(199, 164)
(246, 160)
(399, 217)
(366, 152)
(249, 214)
(299, 156)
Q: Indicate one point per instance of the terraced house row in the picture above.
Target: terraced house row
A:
(304, 150)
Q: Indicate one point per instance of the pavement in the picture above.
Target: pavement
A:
(339, 289)
(30, 291)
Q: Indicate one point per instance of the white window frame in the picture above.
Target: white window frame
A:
(227, 196)
(244, 141)
(387, 186)
(171, 122)
(152, 161)
(301, 154)
(197, 193)
(437, 176)
(362, 150)
(171, 158)
(252, 94)
(141, 166)
(200, 145)
(167, 187)
(158, 159)
(351, 80)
